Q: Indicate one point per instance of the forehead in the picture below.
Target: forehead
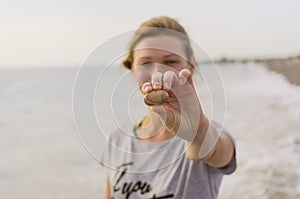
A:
(159, 46)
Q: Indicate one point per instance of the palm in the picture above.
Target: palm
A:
(181, 113)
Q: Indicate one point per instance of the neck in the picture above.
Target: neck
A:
(152, 129)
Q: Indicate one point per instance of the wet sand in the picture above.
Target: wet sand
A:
(289, 67)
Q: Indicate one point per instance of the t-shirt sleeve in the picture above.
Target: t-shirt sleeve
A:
(231, 166)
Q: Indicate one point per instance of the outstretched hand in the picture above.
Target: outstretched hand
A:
(174, 98)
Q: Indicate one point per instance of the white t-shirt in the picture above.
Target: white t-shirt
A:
(148, 170)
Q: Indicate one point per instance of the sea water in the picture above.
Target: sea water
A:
(43, 157)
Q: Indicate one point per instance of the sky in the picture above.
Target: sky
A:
(63, 33)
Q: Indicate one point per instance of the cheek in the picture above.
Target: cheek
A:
(141, 76)
(183, 66)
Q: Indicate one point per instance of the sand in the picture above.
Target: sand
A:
(289, 67)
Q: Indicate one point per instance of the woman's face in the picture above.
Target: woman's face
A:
(158, 54)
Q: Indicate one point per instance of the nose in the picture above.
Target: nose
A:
(158, 67)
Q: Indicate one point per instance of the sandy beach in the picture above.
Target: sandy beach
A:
(289, 67)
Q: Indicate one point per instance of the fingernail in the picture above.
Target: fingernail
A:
(167, 85)
(146, 88)
(157, 85)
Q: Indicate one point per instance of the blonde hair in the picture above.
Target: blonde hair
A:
(157, 26)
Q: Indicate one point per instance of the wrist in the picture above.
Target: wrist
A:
(204, 143)
(209, 142)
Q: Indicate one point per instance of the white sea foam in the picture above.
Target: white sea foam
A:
(263, 113)
(43, 158)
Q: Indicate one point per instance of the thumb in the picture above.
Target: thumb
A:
(166, 116)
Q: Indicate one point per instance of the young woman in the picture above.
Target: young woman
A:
(199, 151)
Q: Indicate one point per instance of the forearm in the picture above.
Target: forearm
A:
(220, 150)
(222, 153)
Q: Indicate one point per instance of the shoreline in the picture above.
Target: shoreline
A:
(288, 67)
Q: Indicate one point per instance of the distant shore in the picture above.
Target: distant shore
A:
(288, 67)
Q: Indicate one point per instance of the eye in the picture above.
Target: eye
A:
(171, 62)
(147, 64)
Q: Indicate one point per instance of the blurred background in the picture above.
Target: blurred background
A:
(255, 45)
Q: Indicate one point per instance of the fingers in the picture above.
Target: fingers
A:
(160, 81)
(166, 81)
(169, 79)
(147, 87)
(155, 84)
(184, 75)
(156, 80)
